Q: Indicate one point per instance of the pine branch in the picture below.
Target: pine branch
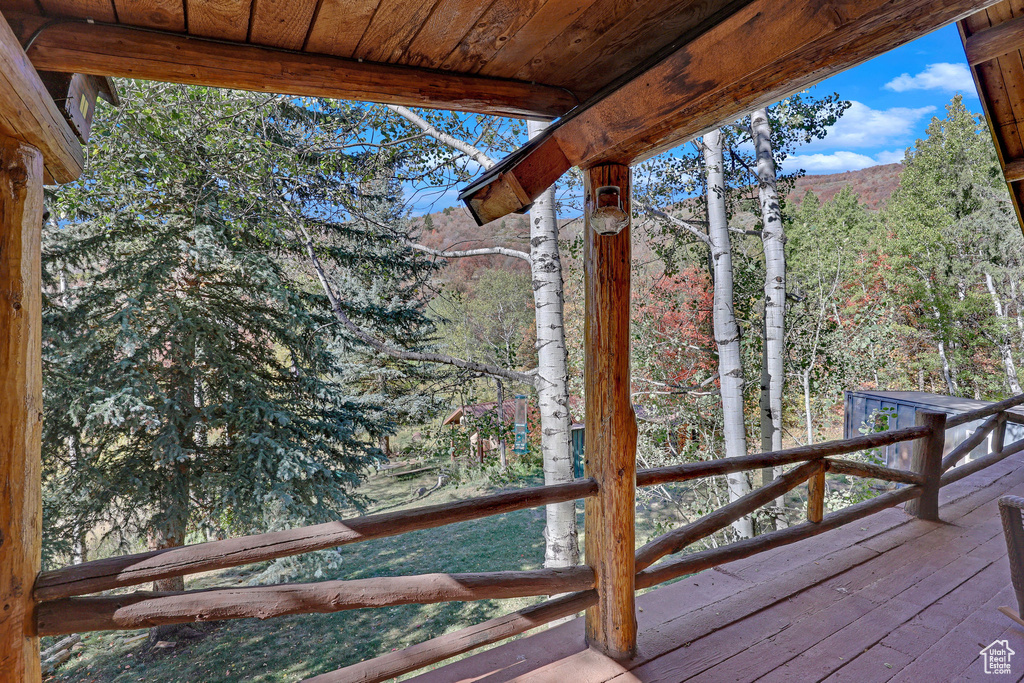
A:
(402, 354)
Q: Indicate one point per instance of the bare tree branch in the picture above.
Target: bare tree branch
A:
(401, 354)
(452, 141)
(483, 251)
(680, 223)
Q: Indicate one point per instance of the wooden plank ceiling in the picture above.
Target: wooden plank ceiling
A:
(574, 48)
(993, 40)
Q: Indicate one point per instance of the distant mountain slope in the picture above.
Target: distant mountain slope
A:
(454, 228)
(874, 185)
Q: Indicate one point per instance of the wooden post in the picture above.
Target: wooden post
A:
(610, 447)
(999, 435)
(21, 217)
(1010, 513)
(927, 460)
(816, 495)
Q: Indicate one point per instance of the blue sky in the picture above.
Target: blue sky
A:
(893, 96)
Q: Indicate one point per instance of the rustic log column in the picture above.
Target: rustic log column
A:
(21, 217)
(610, 424)
(816, 495)
(927, 461)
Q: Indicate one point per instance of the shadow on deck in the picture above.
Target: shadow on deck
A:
(888, 598)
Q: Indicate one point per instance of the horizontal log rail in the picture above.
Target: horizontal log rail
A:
(958, 473)
(706, 559)
(676, 540)
(973, 441)
(144, 609)
(131, 570)
(870, 471)
(465, 640)
(973, 415)
(708, 468)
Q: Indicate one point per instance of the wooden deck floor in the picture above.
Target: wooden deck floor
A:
(888, 598)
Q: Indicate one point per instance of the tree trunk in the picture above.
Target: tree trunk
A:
(727, 333)
(806, 377)
(774, 238)
(500, 414)
(167, 530)
(1003, 342)
(552, 379)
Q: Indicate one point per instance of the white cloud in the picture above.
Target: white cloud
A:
(840, 161)
(940, 76)
(861, 126)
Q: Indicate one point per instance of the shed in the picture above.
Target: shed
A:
(902, 407)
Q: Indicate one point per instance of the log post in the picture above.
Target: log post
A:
(927, 461)
(610, 423)
(816, 494)
(21, 217)
(999, 434)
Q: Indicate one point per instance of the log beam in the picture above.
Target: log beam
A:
(106, 50)
(28, 113)
(701, 85)
(995, 41)
(21, 405)
(610, 423)
(145, 609)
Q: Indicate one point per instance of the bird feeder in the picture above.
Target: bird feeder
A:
(520, 430)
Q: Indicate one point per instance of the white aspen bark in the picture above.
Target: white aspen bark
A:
(774, 238)
(552, 378)
(806, 377)
(1016, 308)
(727, 333)
(1005, 350)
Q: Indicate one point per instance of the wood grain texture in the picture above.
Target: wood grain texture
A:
(995, 41)
(145, 609)
(339, 25)
(927, 461)
(442, 32)
(167, 15)
(678, 539)
(870, 471)
(610, 450)
(281, 23)
(549, 22)
(489, 34)
(123, 52)
(438, 649)
(21, 405)
(97, 10)
(816, 495)
(130, 570)
(697, 470)
(394, 25)
(29, 114)
(223, 19)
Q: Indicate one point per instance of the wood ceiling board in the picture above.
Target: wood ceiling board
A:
(500, 22)
(442, 32)
(97, 10)
(1012, 70)
(223, 19)
(577, 39)
(702, 85)
(28, 113)
(22, 6)
(549, 21)
(338, 26)
(168, 15)
(631, 43)
(124, 52)
(281, 23)
(392, 28)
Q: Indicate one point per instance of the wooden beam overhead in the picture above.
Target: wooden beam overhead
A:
(28, 114)
(995, 42)
(759, 55)
(106, 50)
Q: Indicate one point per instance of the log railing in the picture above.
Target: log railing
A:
(65, 606)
